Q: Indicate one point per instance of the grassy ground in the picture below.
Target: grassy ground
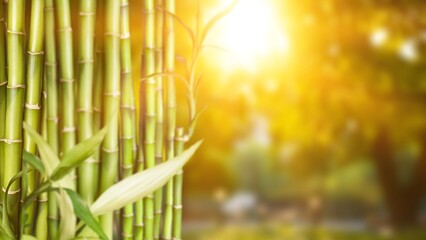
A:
(288, 233)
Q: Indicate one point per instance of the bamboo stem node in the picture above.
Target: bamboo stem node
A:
(32, 106)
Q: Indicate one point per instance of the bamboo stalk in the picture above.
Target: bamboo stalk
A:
(169, 56)
(52, 107)
(3, 83)
(41, 224)
(139, 206)
(98, 92)
(34, 83)
(158, 195)
(177, 191)
(150, 111)
(111, 99)
(128, 127)
(63, 17)
(85, 82)
(15, 101)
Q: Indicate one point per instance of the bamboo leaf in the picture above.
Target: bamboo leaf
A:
(4, 235)
(82, 211)
(48, 156)
(210, 24)
(140, 184)
(68, 219)
(193, 123)
(34, 161)
(79, 153)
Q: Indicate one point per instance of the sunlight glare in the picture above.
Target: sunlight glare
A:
(251, 31)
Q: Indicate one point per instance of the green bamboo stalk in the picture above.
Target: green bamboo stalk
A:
(41, 231)
(150, 111)
(15, 105)
(158, 195)
(139, 206)
(169, 56)
(34, 83)
(177, 191)
(66, 67)
(111, 99)
(85, 82)
(98, 91)
(3, 83)
(128, 127)
(52, 107)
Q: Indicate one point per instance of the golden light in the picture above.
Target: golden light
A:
(251, 31)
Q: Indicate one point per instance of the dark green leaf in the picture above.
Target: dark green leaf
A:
(34, 161)
(83, 213)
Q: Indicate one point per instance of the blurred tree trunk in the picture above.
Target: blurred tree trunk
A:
(403, 200)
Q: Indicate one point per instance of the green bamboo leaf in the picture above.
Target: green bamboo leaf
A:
(79, 153)
(4, 235)
(48, 156)
(82, 211)
(140, 184)
(215, 19)
(67, 223)
(34, 161)
(28, 237)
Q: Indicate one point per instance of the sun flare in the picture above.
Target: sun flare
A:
(251, 31)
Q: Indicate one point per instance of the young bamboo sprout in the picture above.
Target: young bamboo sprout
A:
(85, 83)
(52, 106)
(128, 127)
(15, 106)
(34, 83)
(169, 56)
(112, 101)
(158, 195)
(150, 117)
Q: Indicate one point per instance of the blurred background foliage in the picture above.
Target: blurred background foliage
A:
(315, 120)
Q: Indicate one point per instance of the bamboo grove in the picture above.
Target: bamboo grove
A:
(85, 151)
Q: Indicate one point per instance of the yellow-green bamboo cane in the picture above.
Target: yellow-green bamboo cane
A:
(15, 105)
(66, 67)
(169, 67)
(150, 114)
(178, 179)
(158, 195)
(111, 99)
(41, 224)
(86, 57)
(52, 107)
(3, 83)
(98, 91)
(139, 206)
(34, 80)
(128, 127)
